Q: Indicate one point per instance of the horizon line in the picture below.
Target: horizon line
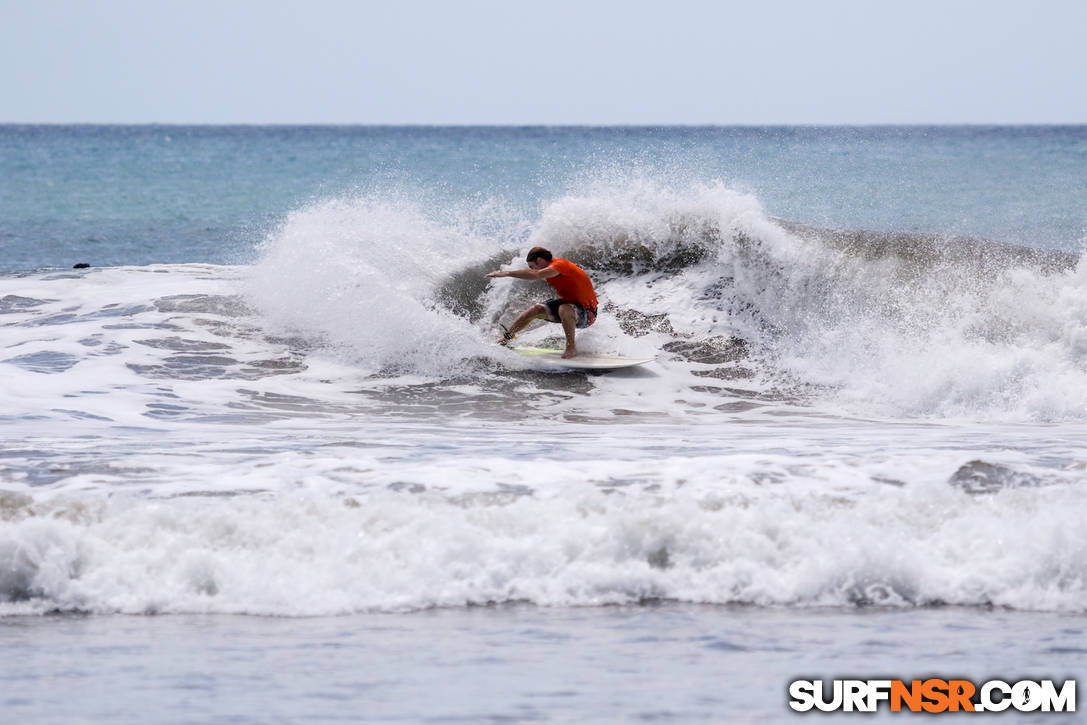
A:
(416, 124)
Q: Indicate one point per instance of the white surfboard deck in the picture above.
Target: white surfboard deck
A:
(583, 361)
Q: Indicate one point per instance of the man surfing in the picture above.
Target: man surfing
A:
(575, 306)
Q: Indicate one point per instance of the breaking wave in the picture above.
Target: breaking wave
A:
(880, 323)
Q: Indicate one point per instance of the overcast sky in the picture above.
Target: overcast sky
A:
(546, 62)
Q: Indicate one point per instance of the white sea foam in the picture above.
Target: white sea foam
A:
(360, 275)
(333, 430)
(364, 282)
(698, 534)
(880, 332)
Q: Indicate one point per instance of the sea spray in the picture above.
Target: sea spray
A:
(359, 274)
(881, 324)
(889, 324)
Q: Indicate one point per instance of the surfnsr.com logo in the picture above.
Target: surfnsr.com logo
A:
(932, 696)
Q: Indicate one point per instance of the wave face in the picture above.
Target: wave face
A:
(881, 324)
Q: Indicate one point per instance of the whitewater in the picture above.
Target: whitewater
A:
(877, 434)
(335, 431)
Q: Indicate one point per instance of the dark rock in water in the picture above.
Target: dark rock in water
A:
(983, 477)
(81, 265)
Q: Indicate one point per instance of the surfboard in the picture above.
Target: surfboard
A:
(584, 361)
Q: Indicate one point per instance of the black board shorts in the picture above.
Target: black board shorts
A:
(584, 317)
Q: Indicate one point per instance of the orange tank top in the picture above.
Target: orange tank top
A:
(572, 284)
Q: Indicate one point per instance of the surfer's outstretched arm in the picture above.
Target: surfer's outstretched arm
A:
(530, 274)
(576, 303)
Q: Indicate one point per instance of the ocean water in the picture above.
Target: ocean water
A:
(262, 461)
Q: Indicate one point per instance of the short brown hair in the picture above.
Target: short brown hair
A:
(537, 252)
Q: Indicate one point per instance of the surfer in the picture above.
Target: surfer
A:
(575, 306)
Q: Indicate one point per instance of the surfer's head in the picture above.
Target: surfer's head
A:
(538, 253)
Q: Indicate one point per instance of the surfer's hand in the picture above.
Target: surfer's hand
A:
(498, 273)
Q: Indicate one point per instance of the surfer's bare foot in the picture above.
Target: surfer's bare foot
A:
(569, 353)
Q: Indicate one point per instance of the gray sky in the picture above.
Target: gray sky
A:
(544, 62)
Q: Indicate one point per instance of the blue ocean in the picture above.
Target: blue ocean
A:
(262, 460)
